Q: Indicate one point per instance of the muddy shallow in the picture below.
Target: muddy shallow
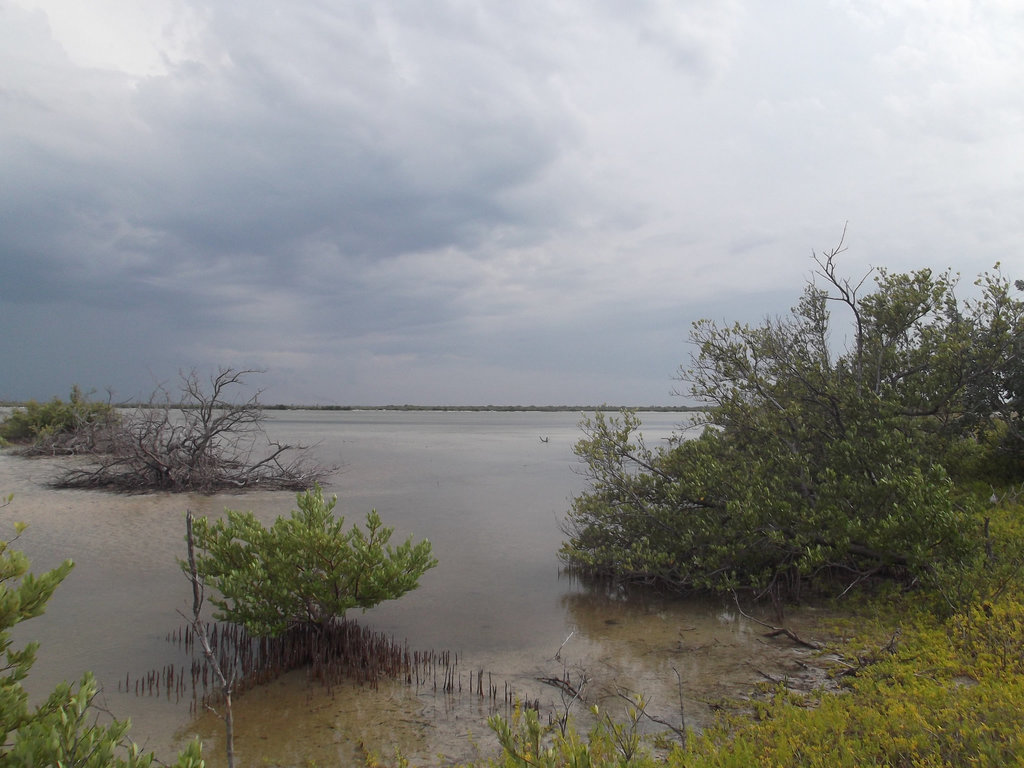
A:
(489, 494)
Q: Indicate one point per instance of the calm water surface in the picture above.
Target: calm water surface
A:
(490, 496)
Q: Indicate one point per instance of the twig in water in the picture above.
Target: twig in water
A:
(558, 653)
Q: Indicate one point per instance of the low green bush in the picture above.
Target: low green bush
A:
(46, 423)
(305, 570)
(949, 695)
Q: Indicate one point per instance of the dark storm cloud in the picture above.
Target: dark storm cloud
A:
(444, 201)
(308, 126)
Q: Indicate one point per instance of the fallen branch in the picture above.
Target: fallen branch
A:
(564, 685)
(777, 631)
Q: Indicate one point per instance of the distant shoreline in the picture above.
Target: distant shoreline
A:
(499, 408)
(473, 408)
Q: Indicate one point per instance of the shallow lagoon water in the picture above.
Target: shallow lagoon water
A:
(487, 492)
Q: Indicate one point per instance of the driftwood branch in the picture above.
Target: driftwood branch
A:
(776, 631)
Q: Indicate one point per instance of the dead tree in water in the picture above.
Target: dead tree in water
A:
(205, 443)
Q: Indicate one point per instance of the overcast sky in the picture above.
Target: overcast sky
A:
(473, 202)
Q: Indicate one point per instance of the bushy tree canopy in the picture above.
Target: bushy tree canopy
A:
(813, 460)
(306, 569)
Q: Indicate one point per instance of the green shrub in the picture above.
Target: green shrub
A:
(50, 423)
(305, 569)
(526, 743)
(950, 695)
(814, 465)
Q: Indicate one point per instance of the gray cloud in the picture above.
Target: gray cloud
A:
(500, 202)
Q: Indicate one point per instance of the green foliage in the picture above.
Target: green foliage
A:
(23, 596)
(305, 569)
(63, 730)
(991, 635)
(813, 465)
(43, 423)
(525, 743)
(992, 570)
(950, 695)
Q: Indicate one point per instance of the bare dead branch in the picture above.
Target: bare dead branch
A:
(205, 443)
(776, 631)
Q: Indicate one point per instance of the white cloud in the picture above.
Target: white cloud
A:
(122, 35)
